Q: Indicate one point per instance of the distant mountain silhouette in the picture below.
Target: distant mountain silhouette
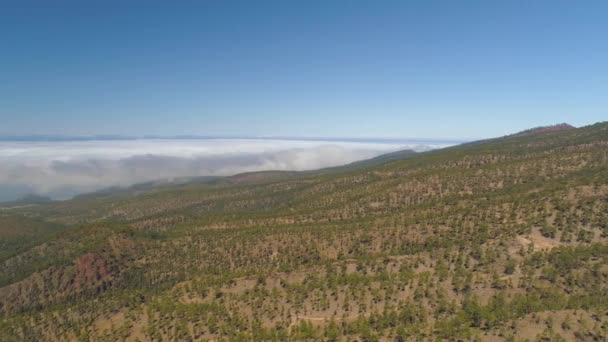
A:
(30, 199)
(545, 129)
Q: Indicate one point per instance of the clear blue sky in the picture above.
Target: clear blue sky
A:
(443, 69)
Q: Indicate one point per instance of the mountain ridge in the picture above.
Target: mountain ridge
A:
(546, 129)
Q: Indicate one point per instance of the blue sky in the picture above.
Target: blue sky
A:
(433, 69)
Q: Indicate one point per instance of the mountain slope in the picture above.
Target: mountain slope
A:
(500, 239)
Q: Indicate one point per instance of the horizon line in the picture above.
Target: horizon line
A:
(119, 137)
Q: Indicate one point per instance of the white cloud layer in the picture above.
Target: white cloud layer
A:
(63, 169)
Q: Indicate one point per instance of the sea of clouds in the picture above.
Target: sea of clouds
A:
(61, 169)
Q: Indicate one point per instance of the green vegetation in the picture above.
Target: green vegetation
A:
(504, 239)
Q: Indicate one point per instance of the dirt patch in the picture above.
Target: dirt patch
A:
(538, 242)
(90, 269)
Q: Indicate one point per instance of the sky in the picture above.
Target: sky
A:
(309, 84)
(407, 69)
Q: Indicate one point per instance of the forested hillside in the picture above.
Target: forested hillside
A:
(503, 239)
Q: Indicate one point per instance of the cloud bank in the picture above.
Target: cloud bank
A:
(66, 168)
